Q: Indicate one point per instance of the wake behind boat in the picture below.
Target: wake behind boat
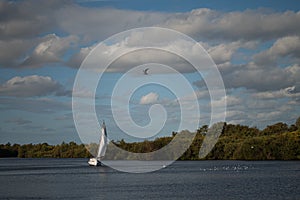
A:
(101, 149)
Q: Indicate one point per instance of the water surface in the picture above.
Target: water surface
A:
(73, 179)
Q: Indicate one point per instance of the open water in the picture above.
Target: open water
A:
(74, 179)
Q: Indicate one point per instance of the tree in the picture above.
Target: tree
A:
(275, 129)
(21, 153)
(292, 128)
(203, 130)
(298, 123)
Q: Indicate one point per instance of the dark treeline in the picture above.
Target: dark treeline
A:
(64, 150)
(276, 142)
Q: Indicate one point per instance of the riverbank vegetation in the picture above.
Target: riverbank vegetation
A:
(236, 142)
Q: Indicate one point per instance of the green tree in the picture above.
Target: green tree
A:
(21, 152)
(275, 129)
(203, 130)
(298, 123)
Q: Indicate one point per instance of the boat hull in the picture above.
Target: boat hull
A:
(94, 162)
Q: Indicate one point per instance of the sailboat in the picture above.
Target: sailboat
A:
(101, 149)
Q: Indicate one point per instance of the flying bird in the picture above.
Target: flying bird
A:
(146, 71)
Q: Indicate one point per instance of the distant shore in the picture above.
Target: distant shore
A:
(237, 142)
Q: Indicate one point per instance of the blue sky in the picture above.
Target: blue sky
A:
(184, 6)
(255, 45)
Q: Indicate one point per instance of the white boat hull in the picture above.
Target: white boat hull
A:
(94, 162)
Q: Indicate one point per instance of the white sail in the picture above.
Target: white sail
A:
(102, 143)
(101, 149)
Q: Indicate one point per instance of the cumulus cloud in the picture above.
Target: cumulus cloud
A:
(27, 19)
(248, 108)
(286, 92)
(227, 100)
(25, 26)
(286, 46)
(223, 52)
(28, 40)
(259, 78)
(32, 86)
(83, 93)
(23, 21)
(15, 50)
(100, 23)
(134, 48)
(49, 50)
(269, 115)
(237, 25)
(200, 23)
(77, 58)
(150, 98)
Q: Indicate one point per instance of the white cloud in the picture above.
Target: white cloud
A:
(24, 20)
(47, 49)
(285, 46)
(235, 114)
(222, 53)
(204, 23)
(31, 86)
(268, 115)
(227, 101)
(237, 25)
(83, 93)
(26, 42)
(27, 19)
(100, 23)
(15, 50)
(256, 111)
(286, 92)
(50, 50)
(259, 78)
(127, 47)
(294, 69)
(150, 98)
(77, 58)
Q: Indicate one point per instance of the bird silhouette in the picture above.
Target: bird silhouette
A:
(146, 71)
